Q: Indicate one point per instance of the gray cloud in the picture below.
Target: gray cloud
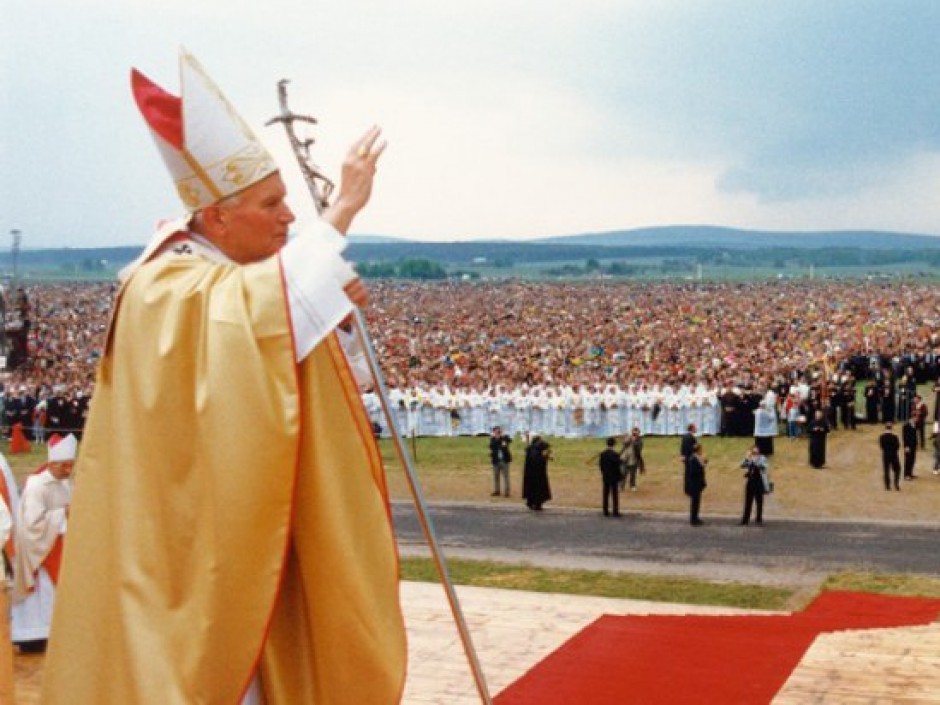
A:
(801, 97)
(797, 100)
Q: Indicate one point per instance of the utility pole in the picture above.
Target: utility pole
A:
(7, 298)
(17, 239)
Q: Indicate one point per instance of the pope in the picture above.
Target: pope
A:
(230, 537)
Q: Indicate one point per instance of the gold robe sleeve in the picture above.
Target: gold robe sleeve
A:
(230, 510)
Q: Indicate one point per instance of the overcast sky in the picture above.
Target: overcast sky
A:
(505, 118)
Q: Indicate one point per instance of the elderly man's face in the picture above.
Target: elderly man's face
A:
(256, 221)
(62, 469)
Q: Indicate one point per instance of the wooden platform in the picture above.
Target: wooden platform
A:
(871, 666)
(514, 630)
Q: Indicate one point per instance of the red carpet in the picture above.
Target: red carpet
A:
(697, 659)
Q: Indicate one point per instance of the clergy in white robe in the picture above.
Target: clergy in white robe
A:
(41, 521)
(10, 495)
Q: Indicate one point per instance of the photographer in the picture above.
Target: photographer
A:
(631, 455)
(500, 457)
(756, 484)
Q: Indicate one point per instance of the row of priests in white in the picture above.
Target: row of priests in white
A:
(40, 521)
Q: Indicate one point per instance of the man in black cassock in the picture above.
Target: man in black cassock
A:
(535, 488)
(818, 429)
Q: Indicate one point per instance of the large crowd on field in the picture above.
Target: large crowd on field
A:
(616, 355)
(717, 334)
(461, 345)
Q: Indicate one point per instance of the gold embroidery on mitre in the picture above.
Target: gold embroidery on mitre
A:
(247, 166)
(202, 174)
(234, 173)
(190, 194)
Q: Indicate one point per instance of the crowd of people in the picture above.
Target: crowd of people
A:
(677, 334)
(598, 359)
(619, 465)
(586, 359)
(63, 330)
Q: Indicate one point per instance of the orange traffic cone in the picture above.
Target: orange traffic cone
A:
(18, 442)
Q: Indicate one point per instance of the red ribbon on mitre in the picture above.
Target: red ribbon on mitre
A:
(162, 111)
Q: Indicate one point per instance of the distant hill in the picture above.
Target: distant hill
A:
(71, 255)
(669, 241)
(713, 236)
(373, 239)
(704, 243)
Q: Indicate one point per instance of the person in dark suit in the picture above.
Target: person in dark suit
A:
(687, 446)
(919, 417)
(755, 468)
(872, 402)
(609, 462)
(695, 483)
(888, 407)
(907, 390)
(56, 421)
(936, 400)
(847, 402)
(909, 441)
(890, 446)
(10, 411)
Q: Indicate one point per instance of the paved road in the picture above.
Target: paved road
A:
(667, 544)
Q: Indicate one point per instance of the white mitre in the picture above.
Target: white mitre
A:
(210, 151)
(62, 449)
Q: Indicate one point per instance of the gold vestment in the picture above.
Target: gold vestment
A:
(230, 510)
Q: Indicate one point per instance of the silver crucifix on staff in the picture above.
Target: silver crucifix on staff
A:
(320, 188)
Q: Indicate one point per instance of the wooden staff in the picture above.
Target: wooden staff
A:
(320, 188)
(6, 644)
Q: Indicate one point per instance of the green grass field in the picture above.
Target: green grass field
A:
(604, 584)
(850, 487)
(658, 588)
